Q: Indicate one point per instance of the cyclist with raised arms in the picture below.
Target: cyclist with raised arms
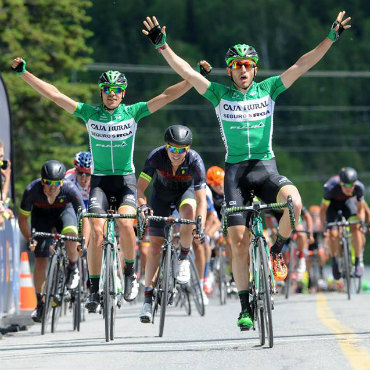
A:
(111, 127)
(52, 203)
(180, 180)
(245, 114)
(343, 192)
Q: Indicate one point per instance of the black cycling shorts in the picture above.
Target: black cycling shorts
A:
(260, 176)
(161, 206)
(348, 207)
(102, 188)
(66, 221)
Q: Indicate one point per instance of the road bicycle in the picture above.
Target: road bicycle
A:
(345, 259)
(111, 276)
(164, 288)
(262, 283)
(55, 291)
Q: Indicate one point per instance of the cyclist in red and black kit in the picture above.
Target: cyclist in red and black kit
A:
(52, 203)
(343, 192)
(180, 180)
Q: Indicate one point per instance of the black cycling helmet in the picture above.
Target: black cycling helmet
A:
(112, 78)
(348, 175)
(178, 134)
(241, 51)
(53, 170)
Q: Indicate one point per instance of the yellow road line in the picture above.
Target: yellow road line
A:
(358, 356)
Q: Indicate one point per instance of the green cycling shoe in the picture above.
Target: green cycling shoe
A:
(245, 320)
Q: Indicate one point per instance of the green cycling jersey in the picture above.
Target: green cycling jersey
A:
(246, 120)
(112, 136)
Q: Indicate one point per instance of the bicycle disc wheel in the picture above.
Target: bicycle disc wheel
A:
(106, 293)
(288, 280)
(196, 289)
(48, 291)
(346, 266)
(164, 288)
(265, 291)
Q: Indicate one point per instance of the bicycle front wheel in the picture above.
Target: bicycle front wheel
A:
(288, 280)
(196, 289)
(164, 288)
(222, 277)
(48, 292)
(58, 296)
(346, 271)
(266, 293)
(106, 293)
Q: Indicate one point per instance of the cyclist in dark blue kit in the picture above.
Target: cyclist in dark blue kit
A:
(52, 203)
(343, 192)
(180, 180)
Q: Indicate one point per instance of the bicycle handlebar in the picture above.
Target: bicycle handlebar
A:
(257, 208)
(56, 236)
(341, 224)
(168, 220)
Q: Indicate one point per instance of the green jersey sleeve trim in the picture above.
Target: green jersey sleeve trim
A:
(23, 212)
(145, 176)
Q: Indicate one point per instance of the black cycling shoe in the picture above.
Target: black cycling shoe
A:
(131, 288)
(93, 302)
(36, 315)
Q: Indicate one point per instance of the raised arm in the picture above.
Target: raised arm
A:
(176, 91)
(43, 88)
(179, 65)
(307, 61)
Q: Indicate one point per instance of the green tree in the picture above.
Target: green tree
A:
(51, 36)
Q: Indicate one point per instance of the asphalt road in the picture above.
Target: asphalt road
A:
(317, 331)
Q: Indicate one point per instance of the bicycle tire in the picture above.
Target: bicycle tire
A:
(106, 292)
(265, 279)
(182, 299)
(222, 278)
(49, 288)
(157, 286)
(196, 289)
(258, 312)
(346, 266)
(166, 280)
(288, 280)
(59, 291)
(76, 306)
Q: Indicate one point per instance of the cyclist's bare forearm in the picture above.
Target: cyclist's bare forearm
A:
(50, 92)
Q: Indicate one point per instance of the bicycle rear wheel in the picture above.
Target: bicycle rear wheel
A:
(183, 299)
(346, 266)
(165, 286)
(265, 291)
(106, 293)
(196, 289)
(48, 292)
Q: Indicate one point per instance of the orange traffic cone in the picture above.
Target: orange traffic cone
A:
(27, 289)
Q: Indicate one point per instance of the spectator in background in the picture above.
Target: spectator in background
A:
(6, 171)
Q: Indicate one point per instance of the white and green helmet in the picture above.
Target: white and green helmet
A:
(112, 78)
(241, 51)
